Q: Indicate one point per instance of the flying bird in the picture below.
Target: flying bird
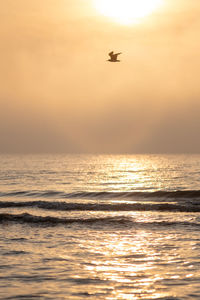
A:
(113, 56)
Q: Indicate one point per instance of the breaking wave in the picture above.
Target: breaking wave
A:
(26, 218)
(186, 194)
(140, 206)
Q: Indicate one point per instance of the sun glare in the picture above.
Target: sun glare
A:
(127, 11)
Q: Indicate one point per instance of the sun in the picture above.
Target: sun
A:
(127, 11)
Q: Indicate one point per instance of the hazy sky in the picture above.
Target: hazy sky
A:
(59, 94)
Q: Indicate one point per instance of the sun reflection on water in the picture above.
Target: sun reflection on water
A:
(129, 264)
(134, 173)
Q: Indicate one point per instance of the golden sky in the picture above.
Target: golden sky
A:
(59, 94)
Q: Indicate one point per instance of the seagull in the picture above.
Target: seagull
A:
(113, 56)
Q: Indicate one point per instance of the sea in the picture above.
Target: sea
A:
(99, 227)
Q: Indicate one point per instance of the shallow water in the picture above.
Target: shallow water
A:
(100, 227)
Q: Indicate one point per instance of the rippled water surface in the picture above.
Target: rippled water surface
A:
(100, 227)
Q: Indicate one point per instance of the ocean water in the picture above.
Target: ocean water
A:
(100, 227)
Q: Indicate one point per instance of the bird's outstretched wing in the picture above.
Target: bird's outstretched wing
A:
(118, 54)
(110, 54)
(114, 56)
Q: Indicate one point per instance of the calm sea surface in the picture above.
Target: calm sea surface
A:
(100, 227)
